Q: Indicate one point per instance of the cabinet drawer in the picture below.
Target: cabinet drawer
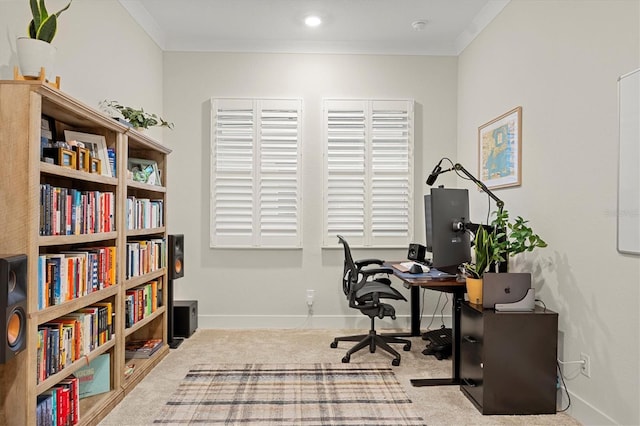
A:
(471, 362)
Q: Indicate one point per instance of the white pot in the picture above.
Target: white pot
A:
(34, 54)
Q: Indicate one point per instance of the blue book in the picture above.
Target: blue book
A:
(112, 160)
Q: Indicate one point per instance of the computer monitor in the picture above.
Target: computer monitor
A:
(446, 212)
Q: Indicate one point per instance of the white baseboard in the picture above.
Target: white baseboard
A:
(584, 412)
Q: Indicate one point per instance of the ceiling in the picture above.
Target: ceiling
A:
(349, 26)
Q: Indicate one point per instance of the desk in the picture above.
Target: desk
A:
(458, 290)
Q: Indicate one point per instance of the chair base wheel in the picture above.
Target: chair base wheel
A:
(346, 359)
(395, 362)
(334, 344)
(407, 347)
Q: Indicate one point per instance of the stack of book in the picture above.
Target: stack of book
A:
(142, 348)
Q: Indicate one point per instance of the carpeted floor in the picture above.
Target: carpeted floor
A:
(445, 405)
(290, 394)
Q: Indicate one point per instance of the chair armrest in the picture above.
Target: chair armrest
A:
(373, 271)
(364, 262)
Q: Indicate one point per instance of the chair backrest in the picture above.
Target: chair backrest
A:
(350, 272)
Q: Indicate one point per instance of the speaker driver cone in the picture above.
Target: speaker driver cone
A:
(15, 326)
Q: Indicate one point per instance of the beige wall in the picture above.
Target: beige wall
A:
(267, 288)
(560, 61)
(106, 58)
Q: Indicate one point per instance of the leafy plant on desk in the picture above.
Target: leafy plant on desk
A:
(505, 239)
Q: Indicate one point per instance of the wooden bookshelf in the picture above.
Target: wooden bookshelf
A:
(22, 106)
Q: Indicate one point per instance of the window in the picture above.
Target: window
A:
(368, 172)
(255, 173)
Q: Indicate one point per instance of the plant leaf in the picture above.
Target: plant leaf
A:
(35, 12)
(63, 9)
(48, 29)
(43, 12)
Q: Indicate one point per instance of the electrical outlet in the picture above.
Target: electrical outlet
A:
(310, 296)
(585, 369)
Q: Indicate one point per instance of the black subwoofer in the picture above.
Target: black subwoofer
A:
(185, 317)
(13, 303)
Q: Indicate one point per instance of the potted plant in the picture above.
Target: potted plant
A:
(35, 51)
(137, 118)
(493, 247)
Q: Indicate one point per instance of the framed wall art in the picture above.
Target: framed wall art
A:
(499, 150)
(96, 144)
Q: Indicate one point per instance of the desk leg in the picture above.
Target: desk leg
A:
(415, 310)
(458, 298)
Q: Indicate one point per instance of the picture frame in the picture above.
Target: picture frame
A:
(66, 158)
(95, 165)
(63, 157)
(97, 146)
(144, 171)
(500, 150)
(83, 158)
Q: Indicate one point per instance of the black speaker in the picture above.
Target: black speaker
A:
(185, 317)
(416, 252)
(13, 304)
(176, 256)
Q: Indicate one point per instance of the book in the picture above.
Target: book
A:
(142, 348)
(95, 377)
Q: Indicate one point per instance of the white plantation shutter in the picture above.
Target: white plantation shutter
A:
(255, 173)
(368, 194)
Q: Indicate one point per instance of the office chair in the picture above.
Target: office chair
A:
(364, 291)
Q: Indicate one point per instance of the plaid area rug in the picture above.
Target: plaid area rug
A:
(303, 394)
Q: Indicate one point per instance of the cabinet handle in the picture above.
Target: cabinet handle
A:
(469, 339)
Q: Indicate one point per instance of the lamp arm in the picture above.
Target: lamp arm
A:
(459, 168)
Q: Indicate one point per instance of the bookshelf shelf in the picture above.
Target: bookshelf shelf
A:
(139, 280)
(59, 267)
(52, 380)
(145, 321)
(146, 187)
(145, 232)
(73, 305)
(55, 170)
(56, 240)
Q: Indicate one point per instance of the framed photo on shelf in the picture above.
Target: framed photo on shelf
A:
(144, 171)
(83, 158)
(97, 146)
(95, 166)
(499, 150)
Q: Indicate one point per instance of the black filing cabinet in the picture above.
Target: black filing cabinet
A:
(508, 360)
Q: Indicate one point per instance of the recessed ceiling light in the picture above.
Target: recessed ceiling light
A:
(419, 25)
(312, 21)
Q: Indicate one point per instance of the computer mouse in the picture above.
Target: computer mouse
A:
(416, 269)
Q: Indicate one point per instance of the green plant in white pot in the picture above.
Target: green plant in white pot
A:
(36, 52)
